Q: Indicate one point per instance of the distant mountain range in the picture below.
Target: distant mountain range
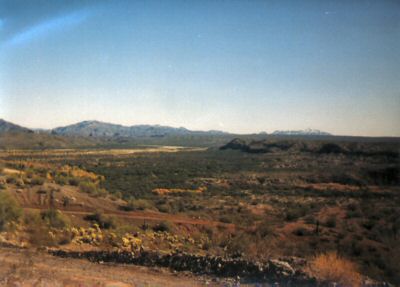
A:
(97, 129)
(306, 132)
(101, 129)
(99, 134)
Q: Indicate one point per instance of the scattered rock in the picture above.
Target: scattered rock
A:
(273, 270)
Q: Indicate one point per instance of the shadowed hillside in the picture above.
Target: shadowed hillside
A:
(10, 127)
(30, 140)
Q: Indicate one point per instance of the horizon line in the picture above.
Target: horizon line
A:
(204, 130)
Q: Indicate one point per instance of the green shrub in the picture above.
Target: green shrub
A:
(32, 218)
(265, 229)
(55, 218)
(100, 192)
(37, 180)
(225, 219)
(41, 236)
(103, 221)
(92, 189)
(88, 187)
(117, 194)
(20, 182)
(239, 244)
(164, 208)
(65, 237)
(15, 179)
(61, 180)
(73, 181)
(164, 226)
(137, 204)
(294, 212)
(11, 178)
(9, 210)
(66, 201)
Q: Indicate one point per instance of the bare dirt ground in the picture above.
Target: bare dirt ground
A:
(115, 152)
(20, 267)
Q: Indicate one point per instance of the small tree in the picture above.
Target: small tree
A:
(9, 210)
(102, 220)
(54, 218)
(66, 201)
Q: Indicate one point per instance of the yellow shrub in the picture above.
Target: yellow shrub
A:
(75, 171)
(330, 267)
(74, 231)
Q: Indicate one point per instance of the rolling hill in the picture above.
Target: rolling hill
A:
(10, 127)
(32, 140)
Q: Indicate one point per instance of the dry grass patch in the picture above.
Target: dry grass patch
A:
(330, 267)
(163, 191)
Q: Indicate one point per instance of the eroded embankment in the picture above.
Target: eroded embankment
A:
(271, 271)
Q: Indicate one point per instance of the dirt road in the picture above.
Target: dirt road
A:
(36, 268)
(150, 216)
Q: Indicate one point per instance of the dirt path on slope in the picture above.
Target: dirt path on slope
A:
(150, 216)
(34, 268)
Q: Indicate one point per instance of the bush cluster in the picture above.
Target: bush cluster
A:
(9, 210)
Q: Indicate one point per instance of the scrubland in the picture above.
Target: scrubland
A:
(334, 208)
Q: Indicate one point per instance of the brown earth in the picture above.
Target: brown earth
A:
(19, 267)
(83, 204)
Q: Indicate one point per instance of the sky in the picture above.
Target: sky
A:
(239, 66)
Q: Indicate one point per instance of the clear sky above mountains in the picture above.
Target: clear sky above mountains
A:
(239, 66)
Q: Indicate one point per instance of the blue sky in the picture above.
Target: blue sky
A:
(238, 66)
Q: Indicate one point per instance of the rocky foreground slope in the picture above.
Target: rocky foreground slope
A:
(274, 272)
